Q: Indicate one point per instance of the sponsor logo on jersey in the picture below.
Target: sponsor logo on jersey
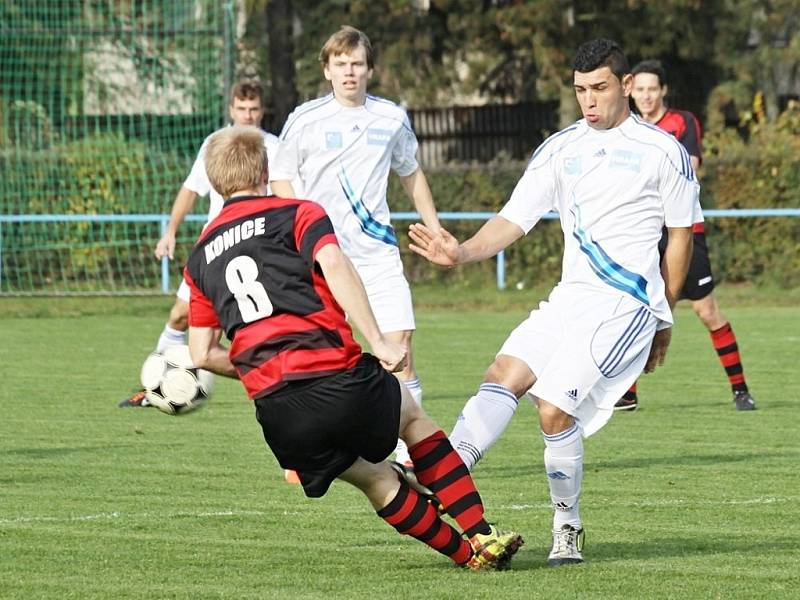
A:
(333, 140)
(379, 137)
(629, 161)
(571, 394)
(572, 165)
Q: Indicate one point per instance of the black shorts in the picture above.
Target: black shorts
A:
(699, 280)
(320, 427)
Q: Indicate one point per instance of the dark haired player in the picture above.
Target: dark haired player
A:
(268, 272)
(649, 91)
(615, 182)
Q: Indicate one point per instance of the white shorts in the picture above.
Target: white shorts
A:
(389, 294)
(183, 291)
(585, 349)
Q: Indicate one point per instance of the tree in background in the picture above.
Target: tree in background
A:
(759, 49)
(446, 52)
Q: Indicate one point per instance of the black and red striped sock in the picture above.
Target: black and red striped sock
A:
(411, 514)
(631, 393)
(724, 341)
(439, 468)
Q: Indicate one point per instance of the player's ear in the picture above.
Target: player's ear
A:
(664, 90)
(627, 84)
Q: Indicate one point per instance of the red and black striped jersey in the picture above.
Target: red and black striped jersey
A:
(252, 273)
(686, 128)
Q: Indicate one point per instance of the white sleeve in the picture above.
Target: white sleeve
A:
(679, 189)
(197, 181)
(271, 144)
(533, 196)
(286, 162)
(404, 153)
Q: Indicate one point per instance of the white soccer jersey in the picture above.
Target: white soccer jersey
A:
(340, 157)
(197, 181)
(614, 191)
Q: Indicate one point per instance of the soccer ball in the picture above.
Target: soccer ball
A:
(172, 384)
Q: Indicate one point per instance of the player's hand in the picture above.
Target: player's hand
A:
(393, 356)
(439, 247)
(166, 246)
(658, 351)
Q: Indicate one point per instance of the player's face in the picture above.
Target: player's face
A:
(648, 95)
(348, 73)
(602, 97)
(246, 112)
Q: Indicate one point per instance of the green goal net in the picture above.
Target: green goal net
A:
(103, 106)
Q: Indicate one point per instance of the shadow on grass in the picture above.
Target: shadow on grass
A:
(516, 471)
(644, 548)
(61, 451)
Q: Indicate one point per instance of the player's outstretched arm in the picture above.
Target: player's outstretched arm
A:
(207, 353)
(348, 290)
(183, 204)
(441, 248)
(438, 246)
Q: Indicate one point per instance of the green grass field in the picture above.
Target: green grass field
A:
(685, 498)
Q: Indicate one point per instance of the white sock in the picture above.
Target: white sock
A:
(170, 337)
(415, 389)
(563, 463)
(482, 420)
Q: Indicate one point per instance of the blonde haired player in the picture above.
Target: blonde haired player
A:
(269, 273)
(246, 107)
(339, 150)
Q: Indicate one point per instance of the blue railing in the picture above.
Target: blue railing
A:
(163, 220)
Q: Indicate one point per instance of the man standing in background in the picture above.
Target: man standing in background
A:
(649, 92)
(338, 150)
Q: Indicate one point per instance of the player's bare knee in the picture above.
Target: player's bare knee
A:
(511, 373)
(707, 310)
(552, 419)
(411, 413)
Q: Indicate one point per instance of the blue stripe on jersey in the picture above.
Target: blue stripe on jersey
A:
(308, 107)
(686, 168)
(625, 341)
(550, 139)
(608, 270)
(369, 225)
